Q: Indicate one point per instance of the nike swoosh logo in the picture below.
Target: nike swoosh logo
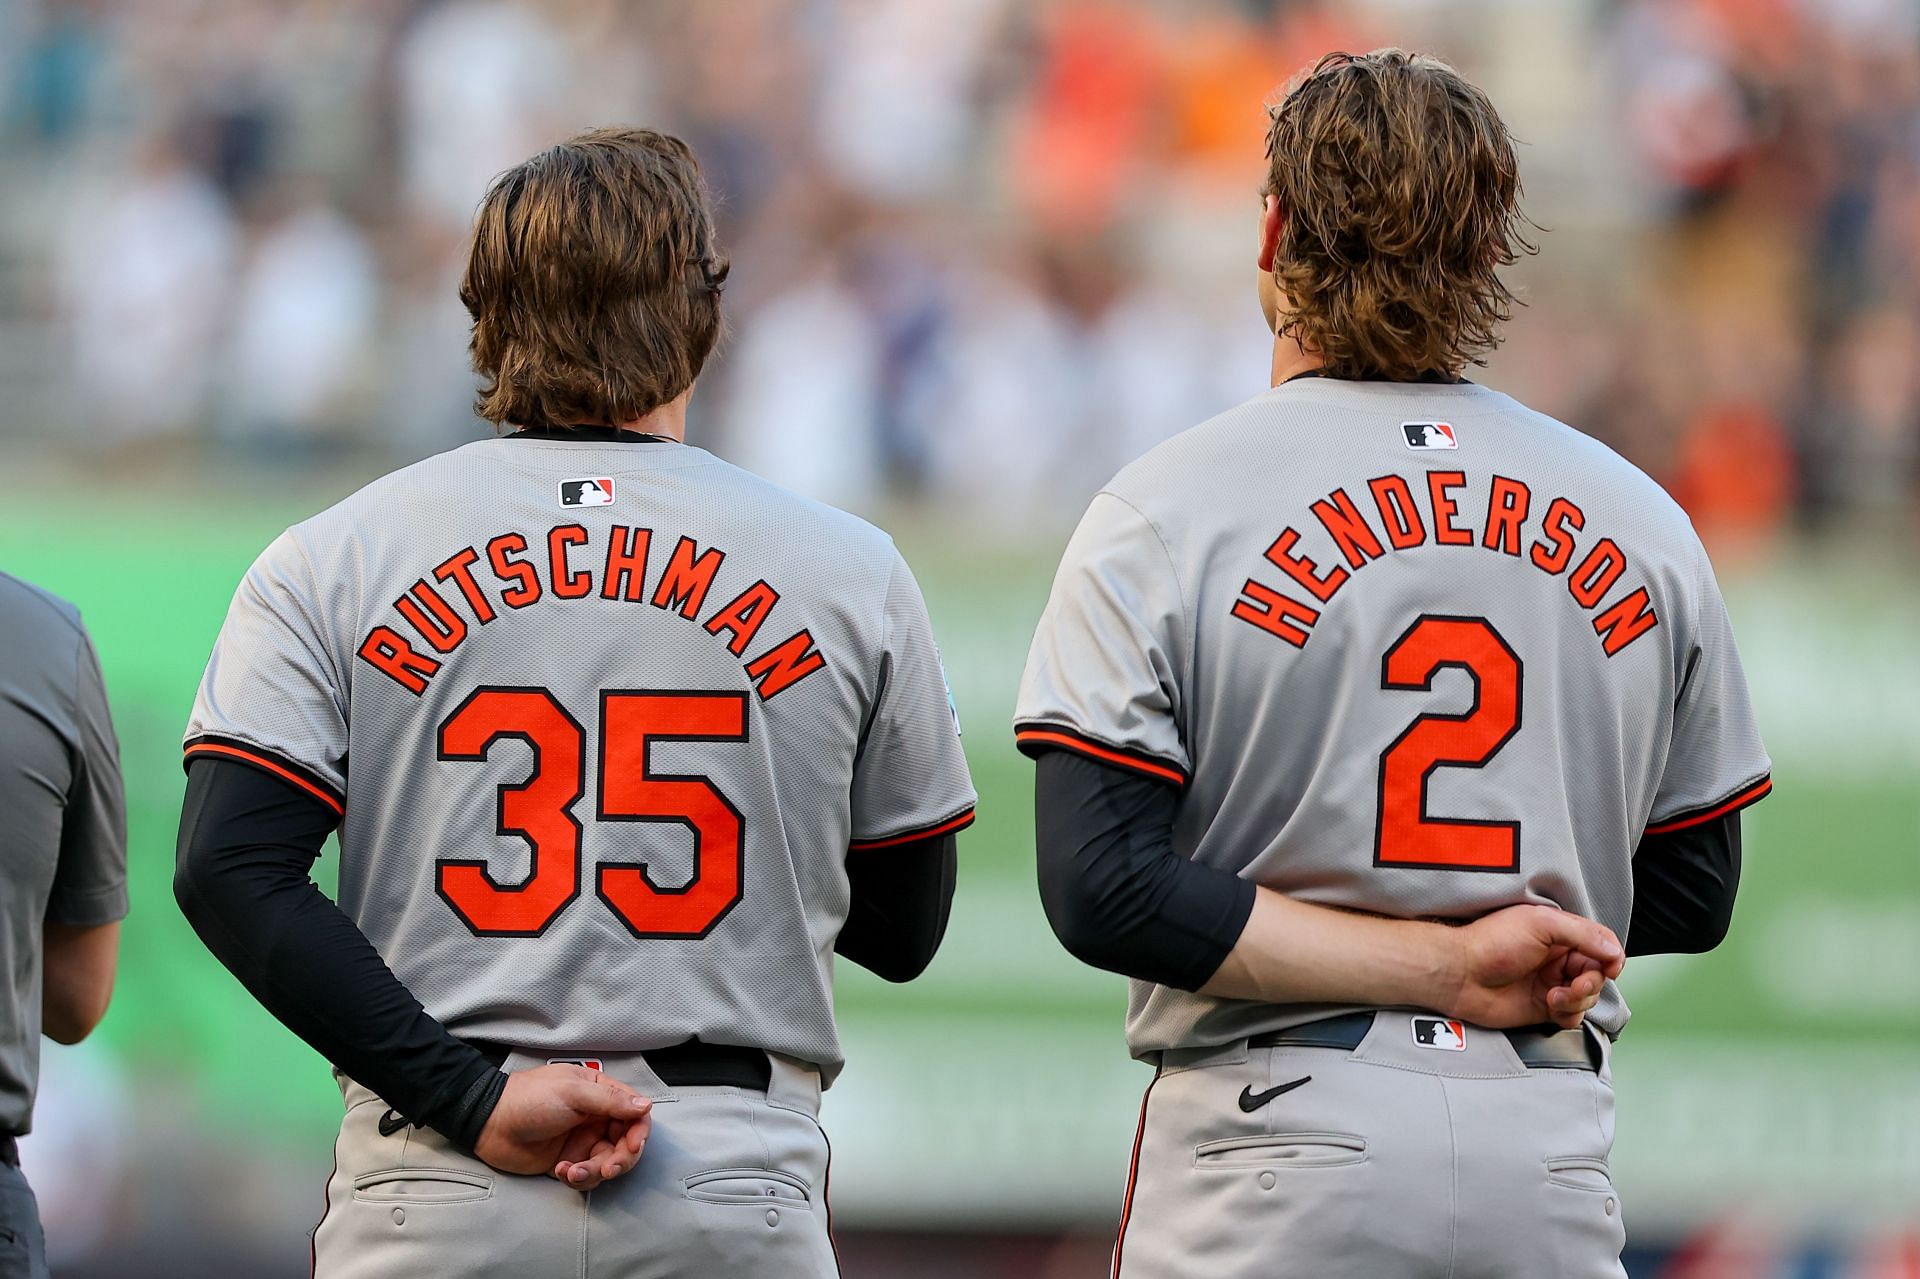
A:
(391, 1122)
(1251, 1101)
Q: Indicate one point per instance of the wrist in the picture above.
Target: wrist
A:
(1440, 967)
(463, 1119)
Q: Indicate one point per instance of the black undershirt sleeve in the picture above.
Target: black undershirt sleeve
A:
(248, 841)
(1118, 895)
(901, 898)
(1684, 883)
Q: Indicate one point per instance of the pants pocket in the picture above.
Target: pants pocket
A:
(1578, 1172)
(1286, 1149)
(764, 1187)
(421, 1186)
(1583, 1217)
(16, 1261)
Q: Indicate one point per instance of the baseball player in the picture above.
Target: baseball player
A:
(622, 745)
(1378, 652)
(63, 871)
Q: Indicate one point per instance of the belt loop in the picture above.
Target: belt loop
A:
(794, 1084)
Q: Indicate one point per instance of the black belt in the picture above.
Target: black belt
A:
(9, 1151)
(688, 1065)
(1538, 1047)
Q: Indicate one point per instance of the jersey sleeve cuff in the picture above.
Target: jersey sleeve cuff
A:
(1751, 793)
(1034, 737)
(212, 746)
(948, 826)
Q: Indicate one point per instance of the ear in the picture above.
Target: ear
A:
(1272, 221)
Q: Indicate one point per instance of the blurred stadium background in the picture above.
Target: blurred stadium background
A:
(985, 251)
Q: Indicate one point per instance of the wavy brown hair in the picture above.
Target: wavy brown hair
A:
(593, 282)
(1402, 201)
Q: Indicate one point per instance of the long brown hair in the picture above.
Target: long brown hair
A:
(1402, 200)
(593, 281)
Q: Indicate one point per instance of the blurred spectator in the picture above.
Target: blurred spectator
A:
(482, 87)
(146, 271)
(303, 325)
(985, 252)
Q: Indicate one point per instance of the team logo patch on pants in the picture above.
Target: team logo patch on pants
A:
(591, 1063)
(1440, 1033)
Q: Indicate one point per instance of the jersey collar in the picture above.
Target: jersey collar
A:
(602, 434)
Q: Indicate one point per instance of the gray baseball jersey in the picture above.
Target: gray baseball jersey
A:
(1406, 648)
(63, 850)
(602, 720)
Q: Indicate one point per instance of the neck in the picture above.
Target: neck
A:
(1290, 359)
(669, 420)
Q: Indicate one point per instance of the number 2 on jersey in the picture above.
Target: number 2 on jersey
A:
(540, 809)
(1405, 834)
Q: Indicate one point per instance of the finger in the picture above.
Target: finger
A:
(1578, 963)
(1589, 937)
(1585, 989)
(610, 1160)
(577, 1176)
(585, 1174)
(636, 1135)
(605, 1097)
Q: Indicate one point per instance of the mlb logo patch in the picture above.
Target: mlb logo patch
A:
(594, 492)
(591, 1063)
(1429, 435)
(1440, 1033)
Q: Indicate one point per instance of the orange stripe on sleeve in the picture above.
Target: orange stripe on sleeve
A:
(961, 822)
(1754, 792)
(263, 761)
(1101, 753)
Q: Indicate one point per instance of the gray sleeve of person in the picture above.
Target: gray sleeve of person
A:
(1716, 764)
(1104, 673)
(90, 880)
(910, 780)
(273, 694)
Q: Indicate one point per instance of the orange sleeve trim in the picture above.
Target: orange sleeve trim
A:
(1755, 792)
(947, 827)
(1104, 754)
(277, 769)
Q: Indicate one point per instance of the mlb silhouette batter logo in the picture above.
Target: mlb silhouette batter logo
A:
(1440, 1032)
(593, 492)
(1429, 435)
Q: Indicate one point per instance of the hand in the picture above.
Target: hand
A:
(1530, 964)
(569, 1122)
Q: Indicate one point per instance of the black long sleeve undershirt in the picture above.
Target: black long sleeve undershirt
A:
(248, 841)
(1684, 883)
(1118, 895)
(902, 896)
(1121, 898)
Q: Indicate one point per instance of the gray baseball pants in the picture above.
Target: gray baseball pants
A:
(23, 1250)
(1394, 1160)
(732, 1182)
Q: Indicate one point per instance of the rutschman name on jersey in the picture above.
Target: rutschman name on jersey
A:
(439, 614)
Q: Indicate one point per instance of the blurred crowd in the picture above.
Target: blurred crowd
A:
(984, 251)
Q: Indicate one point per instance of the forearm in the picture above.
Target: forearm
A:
(246, 843)
(76, 979)
(1296, 952)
